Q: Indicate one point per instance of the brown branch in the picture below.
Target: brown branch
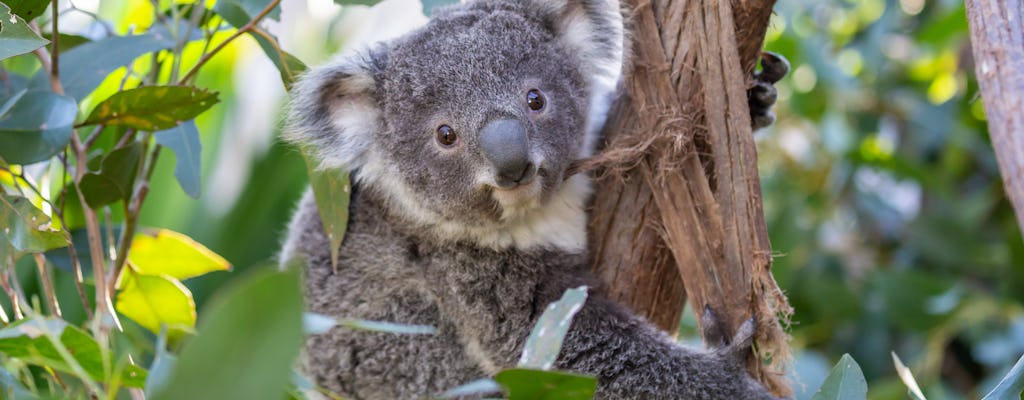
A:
(997, 38)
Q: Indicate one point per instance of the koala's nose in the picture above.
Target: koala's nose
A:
(506, 146)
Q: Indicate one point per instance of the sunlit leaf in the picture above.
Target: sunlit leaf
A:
(115, 178)
(169, 253)
(332, 190)
(156, 301)
(152, 108)
(532, 384)
(845, 382)
(184, 140)
(36, 125)
(26, 228)
(1012, 385)
(227, 363)
(34, 347)
(543, 345)
(907, 377)
(15, 35)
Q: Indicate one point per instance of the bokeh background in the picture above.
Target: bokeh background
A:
(882, 195)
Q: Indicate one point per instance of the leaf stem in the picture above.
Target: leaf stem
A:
(241, 31)
(44, 276)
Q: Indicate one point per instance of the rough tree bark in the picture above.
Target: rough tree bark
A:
(678, 207)
(997, 38)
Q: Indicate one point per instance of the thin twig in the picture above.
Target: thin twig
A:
(241, 31)
(6, 284)
(55, 36)
(44, 276)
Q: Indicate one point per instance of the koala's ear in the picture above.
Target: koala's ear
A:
(335, 111)
(594, 28)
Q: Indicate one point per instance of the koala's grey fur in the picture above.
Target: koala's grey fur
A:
(432, 241)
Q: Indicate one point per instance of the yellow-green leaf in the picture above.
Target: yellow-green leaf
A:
(173, 254)
(153, 301)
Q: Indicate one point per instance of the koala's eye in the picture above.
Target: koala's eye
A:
(535, 100)
(446, 136)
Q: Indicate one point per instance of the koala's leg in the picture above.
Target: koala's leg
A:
(763, 95)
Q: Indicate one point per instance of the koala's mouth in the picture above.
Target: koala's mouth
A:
(519, 200)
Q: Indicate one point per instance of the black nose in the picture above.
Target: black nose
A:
(506, 146)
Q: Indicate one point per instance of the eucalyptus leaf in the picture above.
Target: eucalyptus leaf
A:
(430, 5)
(907, 377)
(332, 191)
(532, 384)
(26, 228)
(35, 126)
(845, 382)
(27, 9)
(15, 35)
(479, 387)
(94, 61)
(226, 363)
(115, 178)
(156, 302)
(545, 342)
(151, 108)
(162, 366)
(184, 141)
(1011, 386)
(32, 346)
(167, 253)
(240, 12)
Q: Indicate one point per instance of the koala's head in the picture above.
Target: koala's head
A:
(468, 124)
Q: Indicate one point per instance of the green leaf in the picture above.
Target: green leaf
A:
(184, 140)
(542, 347)
(169, 253)
(36, 125)
(532, 384)
(332, 190)
(907, 377)
(26, 227)
(151, 108)
(93, 61)
(240, 12)
(11, 388)
(288, 66)
(156, 301)
(115, 178)
(25, 340)
(1011, 386)
(249, 337)
(163, 364)
(15, 35)
(27, 9)
(845, 382)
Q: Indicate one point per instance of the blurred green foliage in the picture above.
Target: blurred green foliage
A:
(883, 198)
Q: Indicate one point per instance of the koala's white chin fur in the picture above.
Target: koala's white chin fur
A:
(560, 223)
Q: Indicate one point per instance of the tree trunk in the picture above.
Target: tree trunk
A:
(997, 38)
(678, 206)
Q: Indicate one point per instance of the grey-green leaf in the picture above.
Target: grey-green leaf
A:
(36, 126)
(184, 140)
(26, 228)
(152, 108)
(15, 35)
(268, 304)
(543, 345)
(845, 382)
(240, 12)
(430, 5)
(479, 387)
(93, 61)
(115, 178)
(1012, 385)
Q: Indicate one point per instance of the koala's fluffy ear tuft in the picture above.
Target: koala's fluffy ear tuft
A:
(334, 111)
(594, 28)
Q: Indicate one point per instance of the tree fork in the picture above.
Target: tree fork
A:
(678, 207)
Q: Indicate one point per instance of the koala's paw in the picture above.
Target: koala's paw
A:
(763, 95)
(733, 354)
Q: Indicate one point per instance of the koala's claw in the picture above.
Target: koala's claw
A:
(714, 337)
(763, 95)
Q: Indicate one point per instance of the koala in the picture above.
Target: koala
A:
(458, 137)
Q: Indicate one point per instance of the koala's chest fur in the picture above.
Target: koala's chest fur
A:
(388, 275)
